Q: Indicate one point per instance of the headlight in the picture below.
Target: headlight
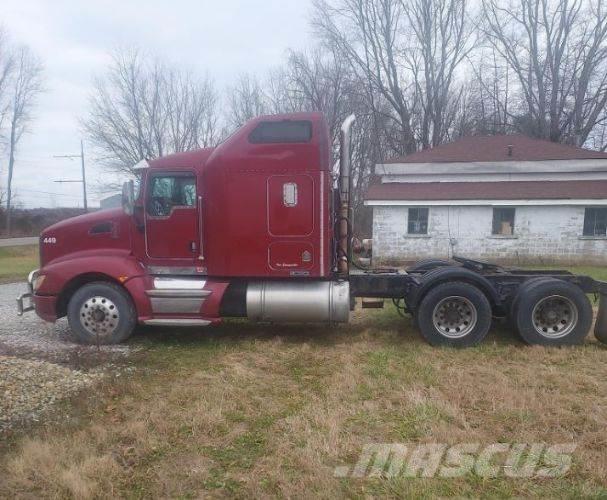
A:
(38, 282)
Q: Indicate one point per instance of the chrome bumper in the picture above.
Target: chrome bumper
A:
(21, 308)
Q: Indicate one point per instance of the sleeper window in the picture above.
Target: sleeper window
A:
(281, 132)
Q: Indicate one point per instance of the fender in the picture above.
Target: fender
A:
(120, 265)
(453, 273)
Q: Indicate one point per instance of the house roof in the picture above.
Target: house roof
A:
(495, 148)
(511, 190)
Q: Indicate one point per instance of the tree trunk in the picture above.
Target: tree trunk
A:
(11, 164)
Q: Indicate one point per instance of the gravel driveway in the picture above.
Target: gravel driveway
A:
(40, 364)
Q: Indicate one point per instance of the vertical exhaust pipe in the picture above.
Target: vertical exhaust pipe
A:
(345, 182)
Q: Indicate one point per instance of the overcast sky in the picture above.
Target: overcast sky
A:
(74, 38)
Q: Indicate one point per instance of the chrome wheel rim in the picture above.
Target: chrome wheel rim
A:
(555, 316)
(454, 317)
(99, 316)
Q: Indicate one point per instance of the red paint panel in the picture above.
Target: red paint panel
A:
(293, 217)
(291, 256)
(172, 236)
(46, 307)
(210, 307)
(241, 221)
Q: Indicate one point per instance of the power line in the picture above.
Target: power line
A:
(83, 180)
(46, 192)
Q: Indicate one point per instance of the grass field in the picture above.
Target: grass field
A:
(244, 410)
(17, 262)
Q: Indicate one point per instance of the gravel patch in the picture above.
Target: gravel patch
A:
(30, 388)
(30, 337)
(41, 363)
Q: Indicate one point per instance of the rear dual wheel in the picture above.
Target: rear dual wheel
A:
(454, 314)
(551, 312)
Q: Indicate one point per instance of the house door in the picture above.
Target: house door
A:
(171, 228)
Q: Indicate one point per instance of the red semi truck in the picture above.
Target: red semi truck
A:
(258, 227)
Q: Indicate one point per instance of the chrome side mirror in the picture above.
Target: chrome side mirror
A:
(128, 197)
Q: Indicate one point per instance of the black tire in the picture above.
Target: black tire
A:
(524, 288)
(553, 312)
(428, 265)
(445, 296)
(101, 313)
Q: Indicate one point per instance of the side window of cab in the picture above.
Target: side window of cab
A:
(168, 192)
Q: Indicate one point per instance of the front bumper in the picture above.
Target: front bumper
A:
(22, 307)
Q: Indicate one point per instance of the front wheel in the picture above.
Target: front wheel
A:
(101, 313)
(454, 314)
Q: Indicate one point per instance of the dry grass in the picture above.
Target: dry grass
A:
(17, 262)
(252, 411)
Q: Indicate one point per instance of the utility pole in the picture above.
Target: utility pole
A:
(83, 179)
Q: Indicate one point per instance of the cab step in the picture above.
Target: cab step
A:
(177, 295)
(176, 322)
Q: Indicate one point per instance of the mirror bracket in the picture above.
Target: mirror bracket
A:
(128, 197)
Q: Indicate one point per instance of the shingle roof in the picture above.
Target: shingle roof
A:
(515, 190)
(495, 148)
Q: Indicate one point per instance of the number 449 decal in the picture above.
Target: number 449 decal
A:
(49, 240)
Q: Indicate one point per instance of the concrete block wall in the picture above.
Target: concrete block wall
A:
(543, 235)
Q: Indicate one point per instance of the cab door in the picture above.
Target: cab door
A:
(171, 216)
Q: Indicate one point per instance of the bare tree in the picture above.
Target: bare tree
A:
(441, 37)
(25, 86)
(313, 81)
(7, 65)
(369, 35)
(246, 100)
(143, 109)
(321, 80)
(406, 54)
(557, 50)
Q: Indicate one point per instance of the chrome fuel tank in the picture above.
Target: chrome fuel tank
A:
(304, 301)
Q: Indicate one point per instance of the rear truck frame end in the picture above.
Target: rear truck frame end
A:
(600, 327)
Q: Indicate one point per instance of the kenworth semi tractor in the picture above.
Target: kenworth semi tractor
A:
(260, 228)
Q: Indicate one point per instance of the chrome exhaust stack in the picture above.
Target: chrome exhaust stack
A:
(345, 185)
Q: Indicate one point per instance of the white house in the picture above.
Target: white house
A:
(504, 198)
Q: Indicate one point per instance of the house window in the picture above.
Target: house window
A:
(418, 221)
(595, 221)
(503, 221)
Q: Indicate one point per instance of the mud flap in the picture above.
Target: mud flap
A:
(600, 328)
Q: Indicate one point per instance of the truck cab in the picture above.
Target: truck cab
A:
(203, 235)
